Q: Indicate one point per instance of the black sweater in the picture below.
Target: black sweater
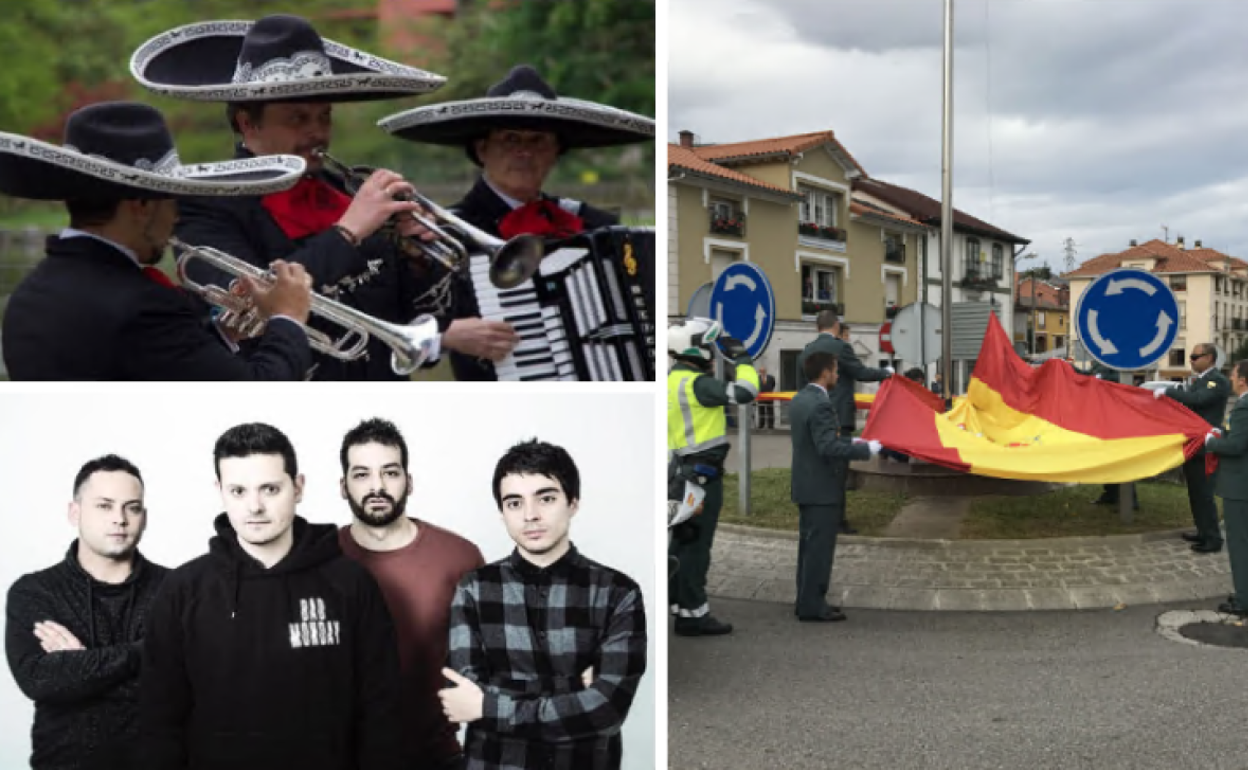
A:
(85, 700)
(292, 666)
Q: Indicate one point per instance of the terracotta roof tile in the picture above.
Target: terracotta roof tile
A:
(1170, 259)
(1212, 255)
(789, 145)
(862, 207)
(682, 157)
(927, 210)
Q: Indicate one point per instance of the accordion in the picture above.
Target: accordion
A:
(588, 314)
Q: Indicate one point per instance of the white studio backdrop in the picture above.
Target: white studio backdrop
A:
(454, 442)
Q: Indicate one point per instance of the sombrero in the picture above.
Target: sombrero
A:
(123, 150)
(523, 101)
(277, 58)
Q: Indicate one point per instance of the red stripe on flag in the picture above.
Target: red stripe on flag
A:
(1079, 403)
(905, 408)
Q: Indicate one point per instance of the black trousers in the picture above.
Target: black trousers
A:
(817, 527)
(1200, 496)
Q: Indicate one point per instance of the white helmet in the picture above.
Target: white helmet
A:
(692, 338)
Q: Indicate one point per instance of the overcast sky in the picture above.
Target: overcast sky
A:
(1100, 120)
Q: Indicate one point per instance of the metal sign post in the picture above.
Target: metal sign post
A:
(745, 305)
(1127, 320)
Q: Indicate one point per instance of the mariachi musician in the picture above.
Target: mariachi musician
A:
(515, 135)
(279, 79)
(97, 307)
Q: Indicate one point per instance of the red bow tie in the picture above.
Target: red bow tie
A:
(312, 206)
(158, 275)
(540, 217)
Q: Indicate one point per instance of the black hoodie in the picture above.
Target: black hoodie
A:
(86, 702)
(294, 666)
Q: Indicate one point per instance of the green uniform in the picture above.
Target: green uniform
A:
(821, 454)
(1206, 395)
(697, 434)
(850, 371)
(1231, 483)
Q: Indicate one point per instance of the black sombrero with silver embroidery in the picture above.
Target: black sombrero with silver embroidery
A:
(277, 58)
(522, 101)
(123, 150)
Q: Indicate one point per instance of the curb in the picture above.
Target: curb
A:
(1138, 538)
(1072, 573)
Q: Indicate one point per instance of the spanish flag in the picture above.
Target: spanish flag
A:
(1045, 424)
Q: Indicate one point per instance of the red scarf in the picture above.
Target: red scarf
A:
(308, 208)
(540, 217)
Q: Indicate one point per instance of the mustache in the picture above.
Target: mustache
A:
(378, 496)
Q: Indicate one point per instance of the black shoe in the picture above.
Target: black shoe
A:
(706, 625)
(846, 529)
(1104, 501)
(1192, 537)
(1231, 608)
(829, 615)
(1206, 547)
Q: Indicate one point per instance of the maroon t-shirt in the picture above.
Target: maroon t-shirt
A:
(418, 581)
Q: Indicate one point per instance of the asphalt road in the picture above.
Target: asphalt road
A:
(1097, 689)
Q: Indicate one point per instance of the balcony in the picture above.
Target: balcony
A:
(1237, 324)
(732, 224)
(821, 236)
(895, 253)
(812, 307)
(978, 282)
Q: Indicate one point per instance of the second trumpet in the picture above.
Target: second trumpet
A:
(512, 262)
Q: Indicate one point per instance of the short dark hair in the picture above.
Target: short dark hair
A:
(105, 464)
(1240, 369)
(255, 438)
(817, 363)
(253, 110)
(915, 374)
(826, 320)
(538, 458)
(374, 431)
(87, 213)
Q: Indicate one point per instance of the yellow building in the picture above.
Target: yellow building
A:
(786, 204)
(1209, 285)
(1041, 316)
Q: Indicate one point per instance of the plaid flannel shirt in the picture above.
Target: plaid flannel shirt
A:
(526, 634)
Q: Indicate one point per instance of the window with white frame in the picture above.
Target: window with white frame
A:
(721, 208)
(819, 284)
(820, 206)
(998, 261)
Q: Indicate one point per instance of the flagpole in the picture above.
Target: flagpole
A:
(946, 211)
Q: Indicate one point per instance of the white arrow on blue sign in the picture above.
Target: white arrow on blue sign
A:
(744, 304)
(1128, 319)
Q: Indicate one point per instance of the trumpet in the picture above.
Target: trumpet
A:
(410, 345)
(512, 262)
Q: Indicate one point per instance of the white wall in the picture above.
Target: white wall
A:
(454, 443)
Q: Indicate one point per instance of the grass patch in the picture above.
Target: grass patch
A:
(1069, 512)
(770, 506)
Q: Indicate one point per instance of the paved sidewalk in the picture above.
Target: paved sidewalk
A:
(900, 574)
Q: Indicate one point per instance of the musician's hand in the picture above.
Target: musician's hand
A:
(480, 338)
(290, 295)
(408, 227)
(374, 203)
(587, 677)
(464, 702)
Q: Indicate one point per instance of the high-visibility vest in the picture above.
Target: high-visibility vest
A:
(691, 427)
